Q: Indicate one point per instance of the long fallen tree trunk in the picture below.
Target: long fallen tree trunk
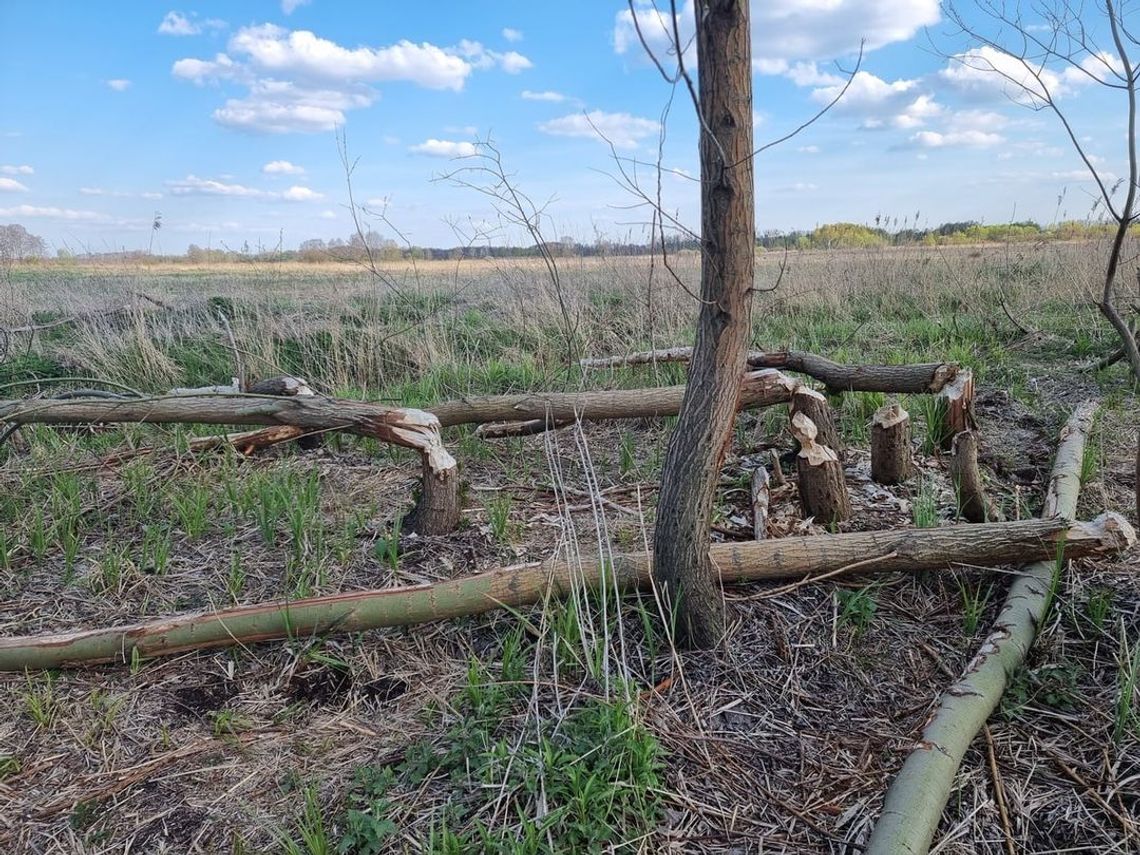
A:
(929, 377)
(915, 800)
(757, 389)
(794, 557)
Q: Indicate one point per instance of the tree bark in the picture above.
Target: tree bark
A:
(437, 509)
(890, 445)
(973, 502)
(685, 576)
(923, 378)
(512, 587)
(757, 389)
(760, 501)
(916, 798)
(814, 405)
(823, 492)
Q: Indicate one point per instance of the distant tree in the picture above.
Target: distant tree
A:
(16, 244)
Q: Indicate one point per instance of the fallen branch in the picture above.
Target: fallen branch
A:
(921, 378)
(510, 587)
(915, 800)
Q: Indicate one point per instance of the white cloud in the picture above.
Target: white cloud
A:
(300, 52)
(444, 148)
(956, 139)
(301, 194)
(327, 215)
(275, 106)
(192, 185)
(177, 24)
(480, 57)
(808, 74)
(789, 30)
(977, 120)
(1082, 175)
(11, 185)
(199, 71)
(989, 73)
(282, 167)
(151, 195)
(547, 95)
(916, 113)
(49, 213)
(512, 35)
(291, 6)
(866, 90)
(809, 149)
(22, 169)
(92, 191)
(622, 129)
(120, 194)
(119, 84)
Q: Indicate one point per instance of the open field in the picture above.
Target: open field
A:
(572, 726)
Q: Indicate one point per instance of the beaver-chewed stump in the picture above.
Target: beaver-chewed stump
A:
(890, 445)
(823, 492)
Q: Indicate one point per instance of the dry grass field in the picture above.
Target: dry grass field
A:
(570, 726)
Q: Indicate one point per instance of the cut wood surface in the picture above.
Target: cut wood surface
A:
(916, 798)
(929, 377)
(814, 405)
(890, 445)
(785, 558)
(823, 492)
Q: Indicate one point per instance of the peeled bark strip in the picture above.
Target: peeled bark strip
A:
(509, 587)
(814, 405)
(915, 800)
(757, 389)
(760, 501)
(890, 445)
(823, 492)
(922, 378)
(973, 502)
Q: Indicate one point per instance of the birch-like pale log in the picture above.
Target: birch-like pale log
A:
(510, 587)
(917, 796)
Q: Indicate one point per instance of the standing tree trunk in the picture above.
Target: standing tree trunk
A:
(682, 567)
(890, 445)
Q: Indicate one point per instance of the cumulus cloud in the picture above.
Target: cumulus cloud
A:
(119, 84)
(21, 169)
(622, 129)
(512, 35)
(11, 185)
(956, 139)
(784, 31)
(547, 95)
(282, 167)
(444, 148)
(301, 82)
(192, 185)
(301, 194)
(866, 90)
(177, 24)
(290, 6)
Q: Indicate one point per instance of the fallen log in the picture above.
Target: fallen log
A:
(890, 445)
(503, 430)
(409, 428)
(793, 557)
(757, 389)
(918, 794)
(921, 378)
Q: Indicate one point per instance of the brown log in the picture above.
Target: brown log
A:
(286, 386)
(814, 405)
(890, 445)
(923, 378)
(760, 500)
(823, 492)
(757, 389)
(973, 502)
(988, 544)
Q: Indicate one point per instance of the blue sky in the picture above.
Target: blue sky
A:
(223, 116)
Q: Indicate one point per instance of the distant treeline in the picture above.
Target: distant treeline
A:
(17, 245)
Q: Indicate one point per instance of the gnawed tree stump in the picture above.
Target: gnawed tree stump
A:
(760, 501)
(890, 445)
(437, 507)
(973, 502)
(958, 396)
(814, 405)
(823, 492)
